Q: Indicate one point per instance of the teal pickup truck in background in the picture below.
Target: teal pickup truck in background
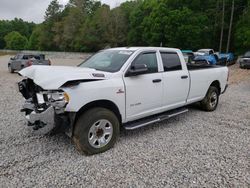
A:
(209, 56)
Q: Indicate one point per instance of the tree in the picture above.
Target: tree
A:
(185, 29)
(24, 28)
(46, 37)
(87, 25)
(141, 11)
(53, 10)
(15, 41)
(34, 40)
(155, 23)
(242, 34)
(94, 34)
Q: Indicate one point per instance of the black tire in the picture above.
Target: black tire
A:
(11, 70)
(210, 102)
(84, 125)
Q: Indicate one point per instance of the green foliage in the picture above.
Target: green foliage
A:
(87, 25)
(52, 11)
(24, 28)
(14, 40)
(34, 40)
(242, 34)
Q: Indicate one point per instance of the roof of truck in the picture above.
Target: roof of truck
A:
(142, 48)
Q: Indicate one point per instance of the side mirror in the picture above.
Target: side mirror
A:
(137, 70)
(12, 58)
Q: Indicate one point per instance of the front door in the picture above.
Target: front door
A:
(144, 92)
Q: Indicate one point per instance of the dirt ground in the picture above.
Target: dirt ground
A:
(237, 75)
(196, 149)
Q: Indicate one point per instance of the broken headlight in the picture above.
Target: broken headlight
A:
(52, 96)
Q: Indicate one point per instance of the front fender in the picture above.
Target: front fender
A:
(84, 93)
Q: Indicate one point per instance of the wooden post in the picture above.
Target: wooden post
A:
(230, 27)
(222, 25)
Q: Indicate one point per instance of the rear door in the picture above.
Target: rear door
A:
(175, 80)
(144, 92)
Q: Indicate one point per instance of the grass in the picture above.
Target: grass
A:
(6, 53)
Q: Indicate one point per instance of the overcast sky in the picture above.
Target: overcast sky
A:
(34, 10)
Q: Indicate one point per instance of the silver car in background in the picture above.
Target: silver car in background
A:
(245, 60)
(23, 60)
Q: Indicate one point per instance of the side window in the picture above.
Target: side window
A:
(148, 59)
(171, 61)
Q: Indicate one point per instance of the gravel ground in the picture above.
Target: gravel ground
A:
(197, 149)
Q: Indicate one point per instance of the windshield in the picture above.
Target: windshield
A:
(108, 60)
(247, 54)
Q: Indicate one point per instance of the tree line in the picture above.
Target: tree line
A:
(88, 26)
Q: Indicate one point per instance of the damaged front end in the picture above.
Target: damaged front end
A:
(45, 109)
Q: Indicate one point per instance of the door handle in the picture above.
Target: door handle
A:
(156, 80)
(184, 77)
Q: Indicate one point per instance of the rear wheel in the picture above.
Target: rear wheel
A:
(210, 102)
(96, 131)
(11, 70)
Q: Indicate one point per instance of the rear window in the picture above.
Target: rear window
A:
(171, 61)
(26, 57)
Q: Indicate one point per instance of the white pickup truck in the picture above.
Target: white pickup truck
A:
(116, 88)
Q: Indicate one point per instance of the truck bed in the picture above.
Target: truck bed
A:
(199, 66)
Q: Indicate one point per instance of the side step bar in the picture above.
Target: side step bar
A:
(153, 119)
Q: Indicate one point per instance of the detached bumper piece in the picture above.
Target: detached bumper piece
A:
(43, 121)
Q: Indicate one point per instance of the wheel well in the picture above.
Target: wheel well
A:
(216, 84)
(100, 103)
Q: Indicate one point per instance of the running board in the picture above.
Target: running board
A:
(153, 119)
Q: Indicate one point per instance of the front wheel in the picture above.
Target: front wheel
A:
(96, 131)
(210, 102)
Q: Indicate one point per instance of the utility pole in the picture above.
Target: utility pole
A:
(222, 25)
(230, 26)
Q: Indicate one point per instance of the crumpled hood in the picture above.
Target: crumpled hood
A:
(53, 77)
